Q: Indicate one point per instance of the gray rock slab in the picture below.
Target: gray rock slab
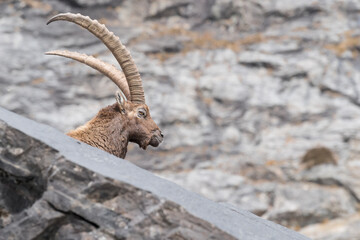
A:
(98, 174)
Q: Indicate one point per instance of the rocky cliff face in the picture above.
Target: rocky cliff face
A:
(54, 187)
(258, 100)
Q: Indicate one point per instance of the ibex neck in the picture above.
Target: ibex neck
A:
(105, 131)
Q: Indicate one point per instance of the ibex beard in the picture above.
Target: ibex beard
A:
(129, 118)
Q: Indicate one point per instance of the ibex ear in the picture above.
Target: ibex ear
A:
(121, 99)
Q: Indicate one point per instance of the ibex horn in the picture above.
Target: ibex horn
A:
(113, 43)
(105, 68)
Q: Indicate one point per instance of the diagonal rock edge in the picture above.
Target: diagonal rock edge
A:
(166, 196)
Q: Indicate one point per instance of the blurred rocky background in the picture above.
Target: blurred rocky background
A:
(259, 100)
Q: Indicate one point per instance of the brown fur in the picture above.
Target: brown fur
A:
(114, 126)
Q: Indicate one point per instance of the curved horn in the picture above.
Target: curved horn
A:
(105, 68)
(113, 43)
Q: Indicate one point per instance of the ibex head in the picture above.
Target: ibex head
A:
(142, 128)
(127, 120)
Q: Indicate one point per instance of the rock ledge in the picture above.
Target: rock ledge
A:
(53, 187)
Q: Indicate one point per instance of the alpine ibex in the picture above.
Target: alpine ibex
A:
(129, 118)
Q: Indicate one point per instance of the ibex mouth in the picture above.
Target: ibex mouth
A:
(156, 139)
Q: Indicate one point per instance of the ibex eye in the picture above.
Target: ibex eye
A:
(141, 113)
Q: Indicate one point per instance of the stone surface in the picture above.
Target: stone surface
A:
(343, 228)
(54, 187)
(242, 90)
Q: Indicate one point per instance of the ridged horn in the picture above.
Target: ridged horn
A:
(105, 68)
(114, 44)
